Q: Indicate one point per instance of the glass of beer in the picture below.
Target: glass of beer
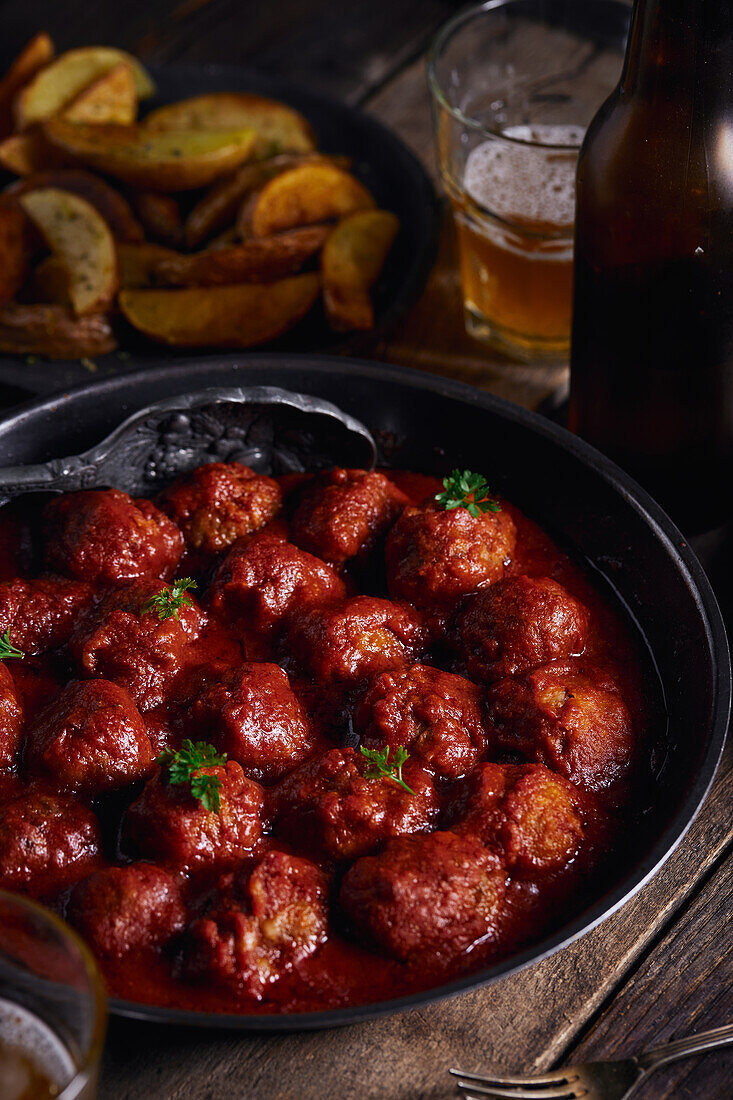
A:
(53, 1010)
(514, 84)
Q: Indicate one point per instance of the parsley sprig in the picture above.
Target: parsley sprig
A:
(184, 766)
(464, 489)
(169, 602)
(7, 649)
(381, 765)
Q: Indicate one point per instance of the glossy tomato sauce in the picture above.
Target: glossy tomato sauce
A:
(330, 613)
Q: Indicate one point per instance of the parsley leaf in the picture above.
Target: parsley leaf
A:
(464, 489)
(7, 649)
(382, 767)
(168, 602)
(184, 766)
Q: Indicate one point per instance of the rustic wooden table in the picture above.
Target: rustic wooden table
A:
(661, 966)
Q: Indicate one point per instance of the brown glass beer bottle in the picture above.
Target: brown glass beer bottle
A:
(652, 349)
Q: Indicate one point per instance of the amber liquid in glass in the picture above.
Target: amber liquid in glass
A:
(514, 219)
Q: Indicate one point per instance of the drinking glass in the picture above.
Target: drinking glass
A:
(514, 85)
(53, 1009)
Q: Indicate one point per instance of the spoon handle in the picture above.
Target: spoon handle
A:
(62, 475)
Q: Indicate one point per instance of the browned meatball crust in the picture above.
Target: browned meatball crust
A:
(11, 720)
(426, 897)
(40, 613)
(518, 624)
(569, 716)
(251, 713)
(344, 513)
(264, 923)
(329, 806)
(435, 715)
(435, 557)
(119, 909)
(103, 536)
(216, 504)
(351, 641)
(90, 739)
(132, 647)
(536, 820)
(263, 580)
(168, 825)
(47, 843)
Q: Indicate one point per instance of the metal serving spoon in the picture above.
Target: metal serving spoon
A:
(272, 430)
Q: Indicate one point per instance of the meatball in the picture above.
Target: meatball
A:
(169, 825)
(535, 819)
(426, 898)
(435, 715)
(344, 513)
(103, 536)
(328, 805)
(261, 581)
(90, 739)
(119, 909)
(570, 717)
(435, 557)
(264, 923)
(216, 504)
(347, 643)
(47, 843)
(252, 715)
(518, 624)
(11, 720)
(132, 647)
(40, 614)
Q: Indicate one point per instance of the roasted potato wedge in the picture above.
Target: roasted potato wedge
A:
(351, 261)
(258, 261)
(219, 206)
(161, 216)
(77, 233)
(245, 214)
(139, 263)
(279, 128)
(29, 152)
(49, 282)
(111, 98)
(59, 83)
(111, 205)
(307, 195)
(39, 51)
(168, 161)
(220, 316)
(15, 249)
(53, 332)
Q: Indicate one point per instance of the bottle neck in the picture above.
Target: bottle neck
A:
(672, 39)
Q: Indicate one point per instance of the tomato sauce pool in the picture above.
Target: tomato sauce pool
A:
(283, 745)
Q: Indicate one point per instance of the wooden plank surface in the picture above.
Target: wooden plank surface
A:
(530, 1020)
(684, 985)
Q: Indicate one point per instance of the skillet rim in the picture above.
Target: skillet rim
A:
(666, 535)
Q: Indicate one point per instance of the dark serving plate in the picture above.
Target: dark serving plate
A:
(382, 162)
(606, 521)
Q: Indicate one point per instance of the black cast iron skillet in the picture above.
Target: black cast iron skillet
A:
(606, 521)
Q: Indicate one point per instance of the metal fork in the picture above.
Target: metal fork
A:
(592, 1080)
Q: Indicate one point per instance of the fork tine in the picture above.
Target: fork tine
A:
(501, 1092)
(557, 1077)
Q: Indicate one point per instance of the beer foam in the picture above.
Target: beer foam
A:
(526, 181)
(23, 1030)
